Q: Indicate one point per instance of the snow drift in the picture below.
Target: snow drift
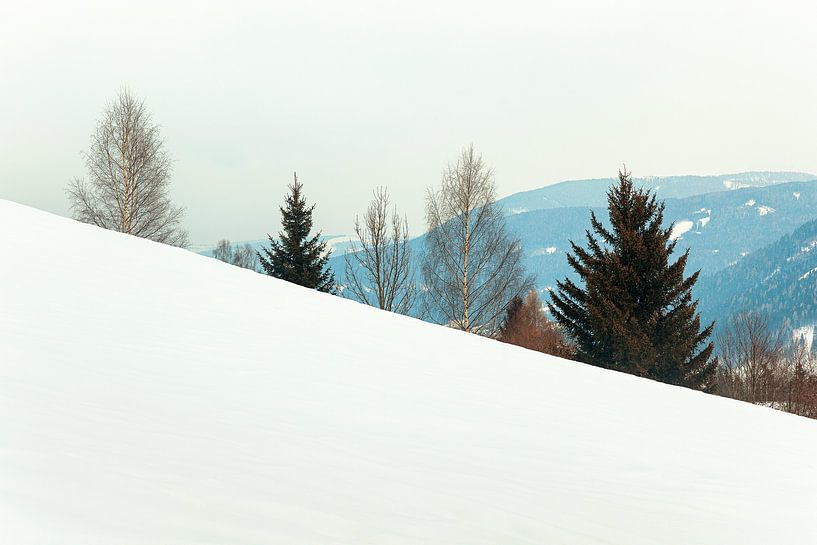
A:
(153, 396)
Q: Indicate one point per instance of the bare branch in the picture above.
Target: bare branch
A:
(242, 256)
(378, 266)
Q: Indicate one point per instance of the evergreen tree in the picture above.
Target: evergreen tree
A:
(635, 312)
(295, 257)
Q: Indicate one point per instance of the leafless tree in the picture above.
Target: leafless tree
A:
(801, 387)
(246, 257)
(472, 266)
(128, 176)
(223, 251)
(378, 266)
(764, 366)
(242, 256)
(750, 353)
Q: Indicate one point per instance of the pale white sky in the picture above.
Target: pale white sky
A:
(360, 93)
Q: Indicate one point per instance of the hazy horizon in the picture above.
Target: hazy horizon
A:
(369, 93)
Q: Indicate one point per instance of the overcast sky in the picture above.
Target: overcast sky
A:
(357, 94)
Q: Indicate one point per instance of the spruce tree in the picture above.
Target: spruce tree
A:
(635, 311)
(295, 257)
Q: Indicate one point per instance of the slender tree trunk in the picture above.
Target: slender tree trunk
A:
(466, 250)
(127, 224)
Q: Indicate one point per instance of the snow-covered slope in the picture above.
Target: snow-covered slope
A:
(153, 396)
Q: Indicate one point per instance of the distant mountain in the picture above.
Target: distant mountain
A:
(718, 228)
(593, 192)
(779, 280)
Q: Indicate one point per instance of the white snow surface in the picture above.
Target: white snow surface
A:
(808, 273)
(732, 184)
(679, 228)
(550, 250)
(154, 396)
(805, 334)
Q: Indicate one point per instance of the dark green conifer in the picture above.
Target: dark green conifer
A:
(295, 257)
(635, 311)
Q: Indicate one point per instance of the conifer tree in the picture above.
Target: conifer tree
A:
(295, 257)
(635, 311)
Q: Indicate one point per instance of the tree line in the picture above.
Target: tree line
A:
(631, 310)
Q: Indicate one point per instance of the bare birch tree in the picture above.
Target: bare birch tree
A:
(378, 266)
(472, 266)
(128, 176)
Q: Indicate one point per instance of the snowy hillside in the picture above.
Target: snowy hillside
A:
(152, 395)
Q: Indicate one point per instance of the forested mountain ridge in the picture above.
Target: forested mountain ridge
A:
(593, 192)
(718, 228)
(779, 280)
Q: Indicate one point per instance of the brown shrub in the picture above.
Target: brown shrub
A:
(526, 325)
